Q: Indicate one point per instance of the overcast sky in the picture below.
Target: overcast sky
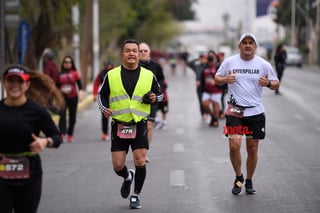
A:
(209, 12)
(209, 15)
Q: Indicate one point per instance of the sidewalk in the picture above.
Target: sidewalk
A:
(88, 99)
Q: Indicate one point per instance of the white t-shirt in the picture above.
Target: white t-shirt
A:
(246, 90)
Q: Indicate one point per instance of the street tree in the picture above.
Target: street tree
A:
(49, 20)
(305, 11)
(155, 22)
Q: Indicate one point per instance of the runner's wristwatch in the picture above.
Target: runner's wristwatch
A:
(269, 84)
(48, 143)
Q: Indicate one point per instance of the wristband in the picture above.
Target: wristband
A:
(48, 143)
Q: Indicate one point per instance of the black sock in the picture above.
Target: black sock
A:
(240, 178)
(123, 172)
(139, 178)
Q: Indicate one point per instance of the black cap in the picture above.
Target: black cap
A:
(107, 62)
(16, 70)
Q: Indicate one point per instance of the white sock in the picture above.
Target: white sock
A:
(129, 177)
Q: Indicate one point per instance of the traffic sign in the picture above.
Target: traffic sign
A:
(11, 13)
(11, 20)
(11, 5)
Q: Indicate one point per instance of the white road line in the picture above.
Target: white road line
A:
(177, 178)
(178, 147)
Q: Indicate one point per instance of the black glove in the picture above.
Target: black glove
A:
(146, 98)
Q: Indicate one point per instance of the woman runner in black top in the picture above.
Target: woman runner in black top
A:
(22, 123)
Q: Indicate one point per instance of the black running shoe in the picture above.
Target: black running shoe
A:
(249, 188)
(238, 183)
(126, 185)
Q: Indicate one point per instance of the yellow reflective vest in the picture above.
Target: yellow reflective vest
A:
(126, 109)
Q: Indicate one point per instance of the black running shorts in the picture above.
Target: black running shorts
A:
(251, 126)
(140, 142)
(163, 107)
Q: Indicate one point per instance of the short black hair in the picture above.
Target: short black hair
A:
(129, 41)
(73, 65)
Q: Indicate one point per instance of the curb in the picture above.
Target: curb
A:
(85, 103)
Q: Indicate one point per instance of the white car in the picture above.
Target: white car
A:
(294, 56)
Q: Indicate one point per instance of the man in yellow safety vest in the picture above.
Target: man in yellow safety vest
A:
(126, 95)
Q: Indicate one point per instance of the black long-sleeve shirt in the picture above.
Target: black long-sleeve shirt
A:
(129, 81)
(18, 123)
(156, 68)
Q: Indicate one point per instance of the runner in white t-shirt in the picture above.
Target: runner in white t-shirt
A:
(245, 74)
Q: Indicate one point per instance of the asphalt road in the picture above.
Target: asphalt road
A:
(190, 169)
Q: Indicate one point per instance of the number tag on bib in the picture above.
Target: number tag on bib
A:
(126, 131)
(235, 111)
(14, 167)
(66, 89)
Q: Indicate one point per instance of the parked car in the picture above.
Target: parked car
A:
(294, 56)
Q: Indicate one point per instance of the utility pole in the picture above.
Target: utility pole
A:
(96, 43)
(246, 21)
(9, 18)
(317, 52)
(86, 50)
(2, 43)
(293, 22)
(76, 36)
(226, 18)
